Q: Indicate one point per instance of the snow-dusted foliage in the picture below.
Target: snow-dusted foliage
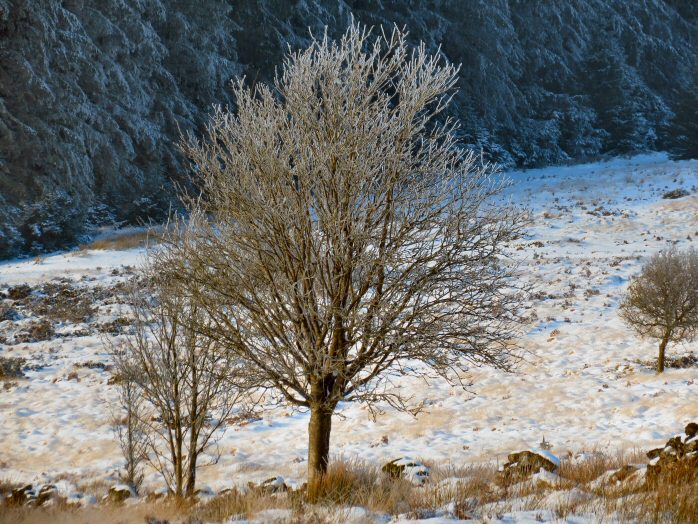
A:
(93, 94)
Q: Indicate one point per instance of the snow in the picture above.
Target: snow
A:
(580, 385)
(545, 453)
(74, 265)
(414, 471)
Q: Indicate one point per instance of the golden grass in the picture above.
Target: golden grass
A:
(235, 504)
(123, 241)
(470, 490)
(102, 514)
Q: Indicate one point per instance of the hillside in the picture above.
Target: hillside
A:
(586, 385)
(94, 95)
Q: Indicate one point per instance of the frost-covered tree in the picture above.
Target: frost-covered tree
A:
(662, 301)
(343, 236)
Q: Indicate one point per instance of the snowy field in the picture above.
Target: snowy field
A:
(582, 385)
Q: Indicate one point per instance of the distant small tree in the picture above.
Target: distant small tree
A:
(662, 301)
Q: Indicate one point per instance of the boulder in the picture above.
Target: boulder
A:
(621, 474)
(523, 464)
(46, 493)
(677, 461)
(7, 313)
(117, 494)
(675, 193)
(654, 453)
(407, 468)
(270, 486)
(21, 496)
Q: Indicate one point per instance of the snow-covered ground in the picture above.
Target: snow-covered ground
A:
(580, 386)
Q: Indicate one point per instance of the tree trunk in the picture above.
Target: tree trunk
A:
(662, 348)
(319, 430)
(191, 473)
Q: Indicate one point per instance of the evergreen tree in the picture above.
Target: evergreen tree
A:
(683, 127)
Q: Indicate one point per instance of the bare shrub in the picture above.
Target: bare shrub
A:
(184, 378)
(19, 292)
(36, 331)
(662, 301)
(11, 367)
(131, 432)
(342, 232)
(62, 301)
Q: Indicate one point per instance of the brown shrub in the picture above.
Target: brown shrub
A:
(11, 367)
(19, 292)
(234, 504)
(63, 302)
(37, 331)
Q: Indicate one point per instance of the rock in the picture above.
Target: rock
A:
(691, 430)
(21, 496)
(7, 313)
(46, 493)
(654, 453)
(271, 485)
(672, 470)
(522, 465)
(675, 193)
(677, 461)
(407, 468)
(117, 494)
(155, 520)
(393, 470)
(674, 446)
(690, 446)
(622, 474)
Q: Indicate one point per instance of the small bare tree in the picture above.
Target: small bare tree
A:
(342, 235)
(185, 378)
(131, 431)
(662, 301)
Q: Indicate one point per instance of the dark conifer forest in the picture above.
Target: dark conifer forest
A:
(94, 94)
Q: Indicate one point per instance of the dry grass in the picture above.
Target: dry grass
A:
(139, 513)
(235, 504)
(470, 491)
(122, 241)
(356, 483)
(579, 473)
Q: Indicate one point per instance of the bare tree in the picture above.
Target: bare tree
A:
(131, 431)
(186, 379)
(342, 235)
(662, 301)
